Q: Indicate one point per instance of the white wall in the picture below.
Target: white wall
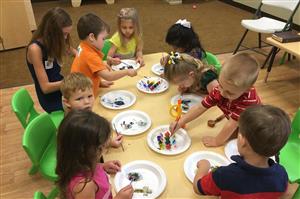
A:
(279, 12)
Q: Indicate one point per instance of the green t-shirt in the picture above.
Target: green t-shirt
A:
(124, 52)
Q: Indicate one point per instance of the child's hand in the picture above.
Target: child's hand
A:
(112, 167)
(125, 192)
(164, 60)
(115, 61)
(131, 72)
(182, 89)
(106, 84)
(116, 142)
(174, 126)
(203, 164)
(210, 141)
(140, 60)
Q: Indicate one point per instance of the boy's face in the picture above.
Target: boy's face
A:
(184, 81)
(98, 40)
(80, 100)
(229, 90)
(127, 27)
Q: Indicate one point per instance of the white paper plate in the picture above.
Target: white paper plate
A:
(157, 69)
(125, 63)
(110, 100)
(190, 163)
(183, 141)
(190, 99)
(152, 176)
(136, 117)
(142, 85)
(231, 149)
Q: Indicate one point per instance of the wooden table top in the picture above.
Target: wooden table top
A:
(157, 107)
(291, 47)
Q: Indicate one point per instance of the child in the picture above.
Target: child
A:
(190, 74)
(81, 140)
(77, 91)
(263, 131)
(234, 93)
(92, 31)
(44, 55)
(127, 41)
(183, 39)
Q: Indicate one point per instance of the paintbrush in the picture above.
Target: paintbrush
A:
(118, 135)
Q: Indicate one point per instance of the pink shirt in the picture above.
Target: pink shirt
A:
(101, 180)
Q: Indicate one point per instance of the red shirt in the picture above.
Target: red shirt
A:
(232, 109)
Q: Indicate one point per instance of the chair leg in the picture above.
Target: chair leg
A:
(53, 194)
(33, 170)
(259, 40)
(283, 58)
(273, 52)
(267, 59)
(242, 39)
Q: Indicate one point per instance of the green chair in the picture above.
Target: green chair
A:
(53, 194)
(211, 59)
(39, 142)
(105, 49)
(23, 106)
(290, 153)
(297, 194)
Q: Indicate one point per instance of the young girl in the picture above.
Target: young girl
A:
(127, 42)
(190, 74)
(183, 39)
(82, 138)
(44, 54)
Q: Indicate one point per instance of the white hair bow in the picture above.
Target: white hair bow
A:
(184, 23)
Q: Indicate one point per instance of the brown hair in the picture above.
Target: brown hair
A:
(50, 31)
(266, 128)
(73, 82)
(90, 23)
(241, 70)
(130, 14)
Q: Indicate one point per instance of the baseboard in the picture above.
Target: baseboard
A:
(252, 10)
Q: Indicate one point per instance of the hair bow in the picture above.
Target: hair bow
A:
(174, 58)
(184, 23)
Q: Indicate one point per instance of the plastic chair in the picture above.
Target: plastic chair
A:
(268, 25)
(290, 153)
(211, 59)
(53, 194)
(23, 106)
(39, 142)
(105, 49)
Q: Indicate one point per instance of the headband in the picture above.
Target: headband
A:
(184, 23)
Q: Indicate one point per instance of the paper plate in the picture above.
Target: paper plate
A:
(183, 141)
(190, 163)
(157, 69)
(144, 85)
(126, 64)
(119, 99)
(188, 100)
(231, 149)
(151, 176)
(131, 122)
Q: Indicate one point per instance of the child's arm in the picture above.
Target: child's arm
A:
(112, 167)
(114, 75)
(203, 168)
(192, 114)
(139, 53)
(290, 191)
(110, 56)
(212, 85)
(85, 190)
(230, 126)
(35, 57)
(125, 192)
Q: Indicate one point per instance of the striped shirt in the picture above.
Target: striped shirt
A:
(232, 109)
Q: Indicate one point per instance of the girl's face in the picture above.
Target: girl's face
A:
(66, 31)
(127, 28)
(81, 100)
(184, 81)
(98, 41)
(178, 49)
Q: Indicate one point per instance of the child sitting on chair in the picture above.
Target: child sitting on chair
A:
(183, 39)
(92, 31)
(77, 92)
(190, 74)
(263, 131)
(234, 93)
(127, 41)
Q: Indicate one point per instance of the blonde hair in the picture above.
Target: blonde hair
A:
(130, 14)
(241, 70)
(73, 82)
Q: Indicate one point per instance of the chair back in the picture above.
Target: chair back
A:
(289, 5)
(105, 49)
(23, 106)
(295, 133)
(39, 133)
(213, 60)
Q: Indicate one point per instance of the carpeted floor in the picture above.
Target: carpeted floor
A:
(217, 23)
